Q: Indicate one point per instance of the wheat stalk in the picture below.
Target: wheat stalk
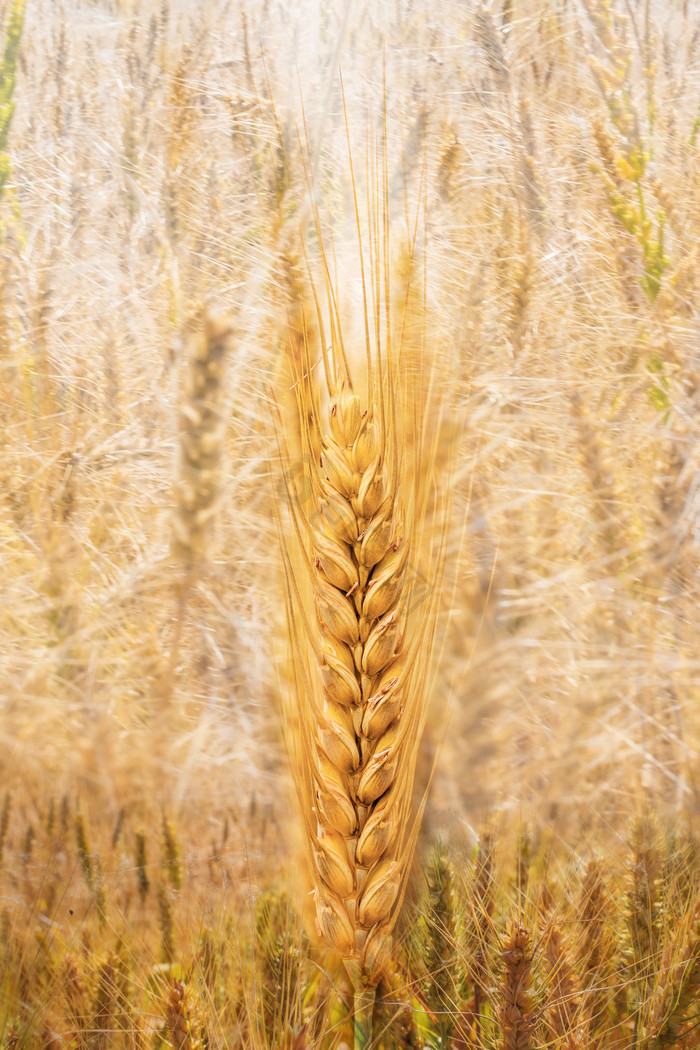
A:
(361, 622)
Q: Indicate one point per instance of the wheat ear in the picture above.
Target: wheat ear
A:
(362, 580)
(516, 1013)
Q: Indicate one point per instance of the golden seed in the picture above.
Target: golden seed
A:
(333, 921)
(375, 542)
(381, 710)
(370, 492)
(366, 446)
(337, 613)
(381, 644)
(381, 595)
(376, 834)
(377, 777)
(337, 809)
(345, 419)
(376, 954)
(334, 559)
(379, 892)
(340, 684)
(333, 863)
(338, 472)
(339, 738)
(339, 515)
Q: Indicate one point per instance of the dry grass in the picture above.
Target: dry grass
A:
(155, 174)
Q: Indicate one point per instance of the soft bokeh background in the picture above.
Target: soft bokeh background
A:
(156, 154)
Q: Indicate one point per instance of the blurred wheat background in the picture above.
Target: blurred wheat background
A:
(156, 201)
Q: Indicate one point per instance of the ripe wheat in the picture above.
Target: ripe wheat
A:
(361, 583)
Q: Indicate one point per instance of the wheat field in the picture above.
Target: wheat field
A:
(203, 205)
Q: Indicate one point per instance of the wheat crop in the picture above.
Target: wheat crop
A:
(363, 500)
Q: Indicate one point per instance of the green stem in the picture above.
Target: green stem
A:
(363, 1010)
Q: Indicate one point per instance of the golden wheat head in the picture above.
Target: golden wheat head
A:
(362, 569)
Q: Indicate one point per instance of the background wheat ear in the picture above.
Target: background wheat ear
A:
(362, 557)
(208, 339)
(516, 1012)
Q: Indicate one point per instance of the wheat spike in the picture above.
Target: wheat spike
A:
(564, 1004)
(201, 438)
(105, 1002)
(360, 733)
(178, 1019)
(77, 1005)
(680, 990)
(5, 822)
(516, 1012)
(362, 577)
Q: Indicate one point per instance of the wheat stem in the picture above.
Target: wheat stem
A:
(363, 1014)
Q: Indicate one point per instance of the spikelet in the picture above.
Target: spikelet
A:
(526, 849)
(118, 828)
(488, 37)
(8, 68)
(28, 845)
(521, 293)
(606, 503)
(527, 169)
(478, 927)
(50, 824)
(362, 739)
(62, 549)
(64, 815)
